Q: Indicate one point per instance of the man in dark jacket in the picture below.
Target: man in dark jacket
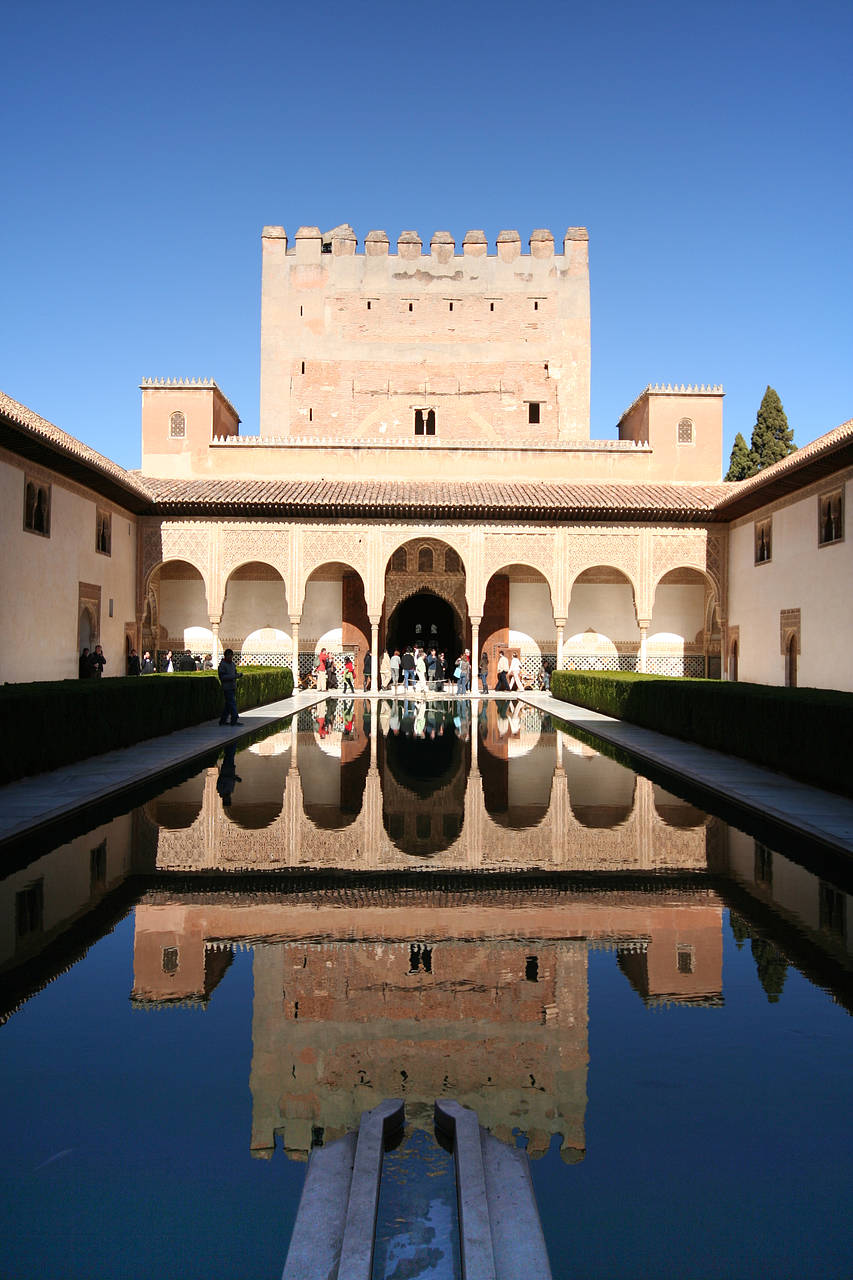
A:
(228, 677)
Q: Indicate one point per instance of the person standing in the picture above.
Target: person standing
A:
(484, 671)
(514, 678)
(463, 683)
(503, 668)
(368, 670)
(148, 665)
(84, 667)
(134, 667)
(407, 665)
(170, 666)
(440, 673)
(385, 671)
(228, 677)
(430, 668)
(322, 670)
(97, 662)
(395, 668)
(349, 675)
(420, 671)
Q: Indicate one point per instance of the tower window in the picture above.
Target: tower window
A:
(685, 431)
(411, 306)
(450, 306)
(533, 411)
(368, 304)
(424, 422)
(303, 366)
(310, 415)
(177, 425)
(103, 532)
(531, 968)
(535, 306)
(491, 306)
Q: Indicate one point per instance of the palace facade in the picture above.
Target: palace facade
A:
(424, 472)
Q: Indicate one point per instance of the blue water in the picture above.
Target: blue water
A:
(655, 1024)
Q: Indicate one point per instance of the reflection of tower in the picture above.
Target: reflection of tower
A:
(338, 1026)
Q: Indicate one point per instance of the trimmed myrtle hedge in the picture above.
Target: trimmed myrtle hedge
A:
(806, 733)
(55, 722)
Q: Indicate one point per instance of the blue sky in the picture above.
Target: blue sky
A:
(706, 147)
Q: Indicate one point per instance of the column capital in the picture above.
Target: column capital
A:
(295, 619)
(644, 623)
(560, 622)
(476, 619)
(214, 619)
(374, 619)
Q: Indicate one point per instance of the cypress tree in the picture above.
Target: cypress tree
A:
(772, 438)
(742, 463)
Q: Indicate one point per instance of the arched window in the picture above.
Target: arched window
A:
(37, 507)
(452, 563)
(685, 431)
(177, 425)
(399, 560)
(425, 560)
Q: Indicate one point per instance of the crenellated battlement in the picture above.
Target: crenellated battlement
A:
(312, 244)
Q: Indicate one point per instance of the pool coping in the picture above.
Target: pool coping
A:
(30, 804)
(37, 802)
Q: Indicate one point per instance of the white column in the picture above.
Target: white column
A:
(374, 654)
(475, 654)
(294, 628)
(644, 630)
(560, 624)
(214, 627)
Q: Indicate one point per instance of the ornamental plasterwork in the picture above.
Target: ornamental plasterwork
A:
(243, 544)
(184, 541)
(537, 550)
(450, 587)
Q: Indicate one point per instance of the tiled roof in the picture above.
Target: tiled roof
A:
(799, 468)
(42, 433)
(439, 498)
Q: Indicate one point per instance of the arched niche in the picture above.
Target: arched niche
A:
(334, 616)
(676, 812)
(176, 604)
(255, 619)
(601, 624)
(601, 792)
(518, 618)
(516, 767)
(179, 807)
(423, 768)
(682, 612)
(334, 760)
(258, 797)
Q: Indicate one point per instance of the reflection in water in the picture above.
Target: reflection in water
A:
(417, 1233)
(379, 983)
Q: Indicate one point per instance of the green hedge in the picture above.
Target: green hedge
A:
(806, 733)
(55, 722)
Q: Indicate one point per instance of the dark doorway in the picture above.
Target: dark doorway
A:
(426, 620)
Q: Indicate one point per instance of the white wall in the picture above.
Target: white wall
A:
(250, 606)
(801, 575)
(321, 613)
(40, 577)
(678, 612)
(183, 604)
(531, 618)
(607, 608)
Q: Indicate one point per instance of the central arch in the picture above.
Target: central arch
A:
(426, 619)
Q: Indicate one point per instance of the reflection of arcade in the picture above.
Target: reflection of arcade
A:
(405, 785)
(428, 995)
(423, 763)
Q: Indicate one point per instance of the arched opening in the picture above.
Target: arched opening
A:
(791, 661)
(85, 631)
(676, 812)
(258, 797)
(176, 604)
(427, 620)
(425, 602)
(178, 808)
(601, 626)
(676, 639)
(423, 767)
(334, 760)
(518, 618)
(334, 617)
(255, 621)
(516, 766)
(601, 792)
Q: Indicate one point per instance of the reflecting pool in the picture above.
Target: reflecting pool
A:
(422, 900)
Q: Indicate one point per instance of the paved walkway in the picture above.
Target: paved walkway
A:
(47, 797)
(821, 815)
